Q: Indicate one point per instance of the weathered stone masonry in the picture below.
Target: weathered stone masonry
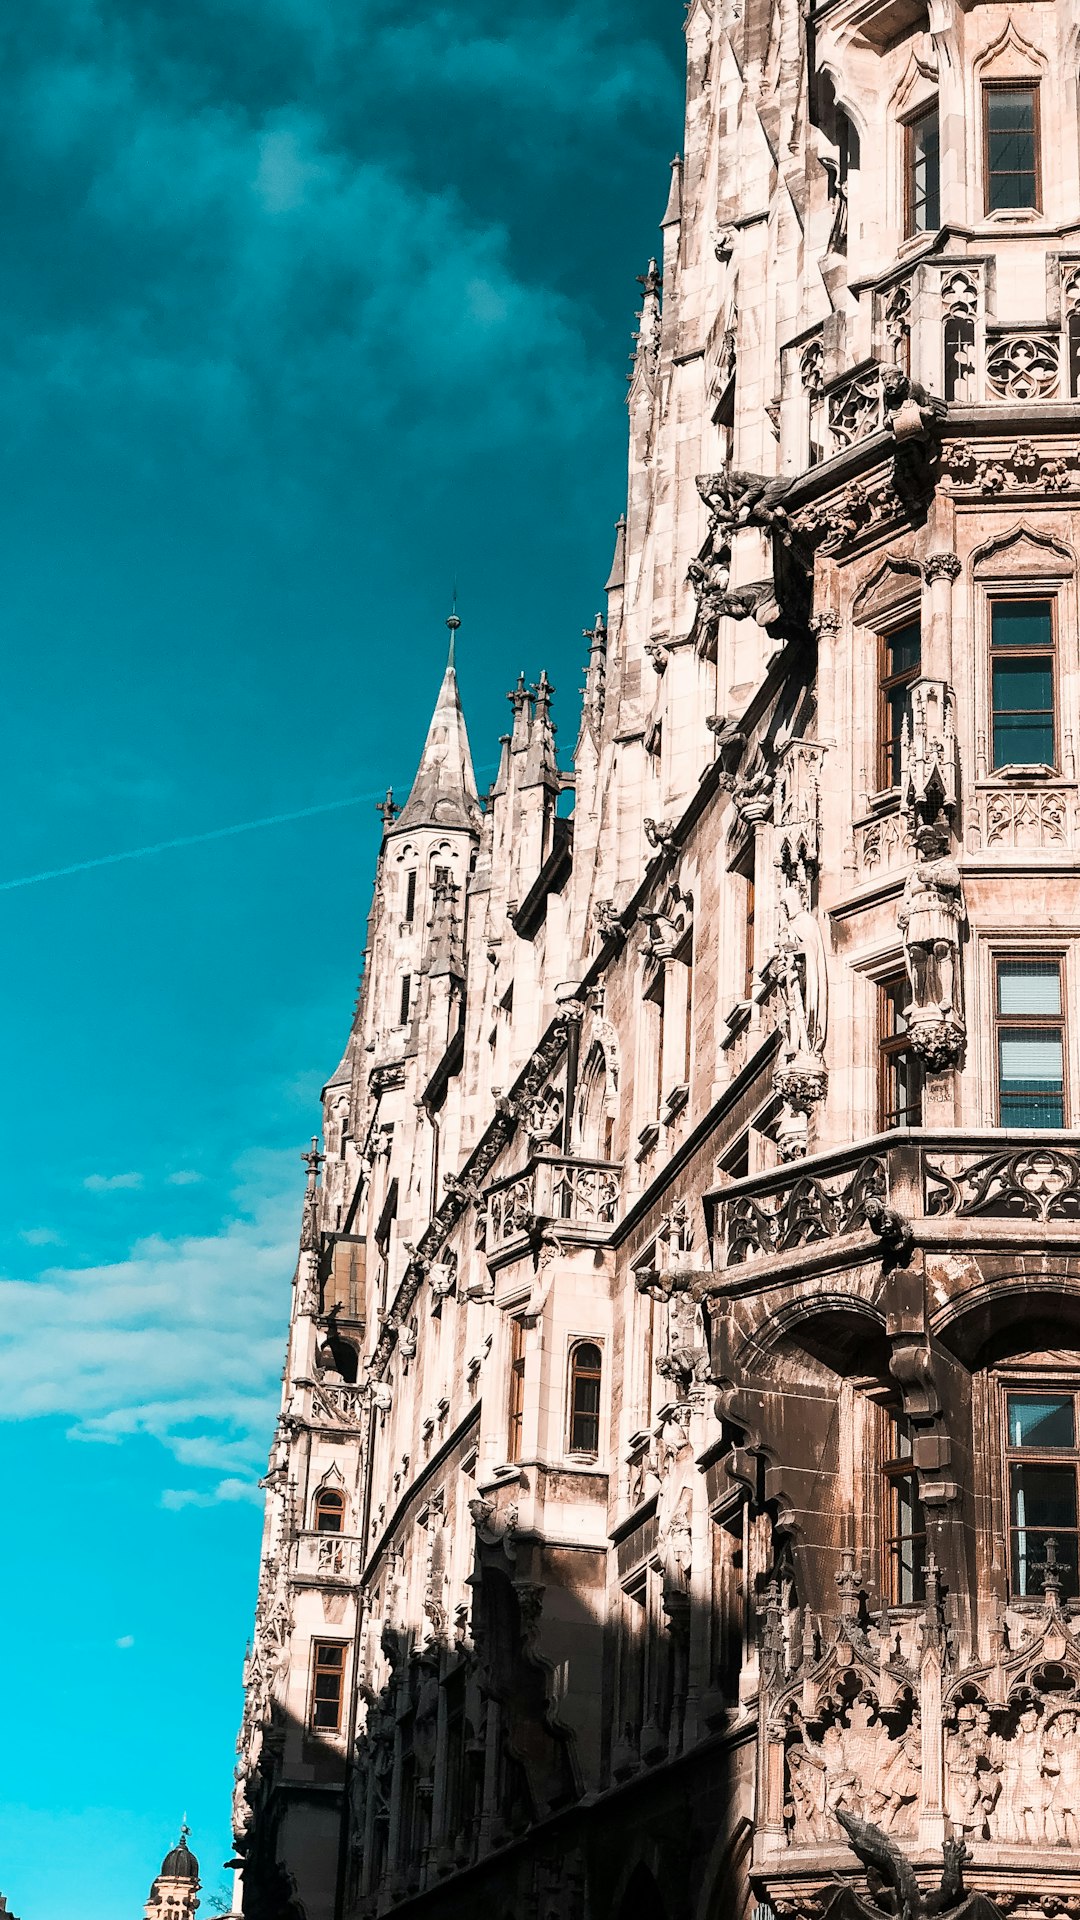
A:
(679, 1441)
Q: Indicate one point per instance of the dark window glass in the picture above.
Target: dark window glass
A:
(406, 998)
(585, 1398)
(1012, 147)
(329, 1511)
(327, 1685)
(1030, 1044)
(924, 173)
(517, 1388)
(901, 1068)
(901, 659)
(905, 1520)
(1022, 682)
(410, 894)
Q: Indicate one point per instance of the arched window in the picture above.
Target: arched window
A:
(585, 1398)
(329, 1510)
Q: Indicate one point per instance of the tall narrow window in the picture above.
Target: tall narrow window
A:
(900, 1069)
(584, 1436)
(901, 660)
(904, 1531)
(1041, 1456)
(1011, 134)
(1022, 682)
(922, 144)
(657, 997)
(687, 957)
(746, 873)
(1074, 354)
(327, 1684)
(410, 894)
(406, 998)
(1030, 1043)
(516, 1421)
(959, 357)
(329, 1510)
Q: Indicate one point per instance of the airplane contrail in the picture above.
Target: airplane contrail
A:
(186, 840)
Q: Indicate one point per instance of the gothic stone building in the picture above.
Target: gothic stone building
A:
(681, 1427)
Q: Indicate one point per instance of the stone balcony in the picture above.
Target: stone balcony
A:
(557, 1199)
(1003, 1186)
(326, 1559)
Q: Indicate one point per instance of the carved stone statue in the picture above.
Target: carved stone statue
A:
(800, 1076)
(674, 1512)
(893, 1887)
(931, 915)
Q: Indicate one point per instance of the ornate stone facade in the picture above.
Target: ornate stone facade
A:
(675, 1504)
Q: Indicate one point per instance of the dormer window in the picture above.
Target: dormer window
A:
(1011, 146)
(922, 156)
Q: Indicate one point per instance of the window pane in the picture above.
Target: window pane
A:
(925, 174)
(903, 649)
(1031, 1059)
(1043, 1420)
(1043, 1496)
(1022, 623)
(1029, 986)
(1011, 159)
(1029, 1560)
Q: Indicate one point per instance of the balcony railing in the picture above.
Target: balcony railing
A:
(327, 1557)
(575, 1198)
(1031, 1176)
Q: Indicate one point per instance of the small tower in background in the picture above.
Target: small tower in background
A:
(175, 1892)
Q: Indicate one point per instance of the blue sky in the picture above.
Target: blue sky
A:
(305, 309)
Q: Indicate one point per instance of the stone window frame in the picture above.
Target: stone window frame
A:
(1001, 83)
(1018, 943)
(574, 1344)
(891, 597)
(1054, 578)
(1041, 956)
(910, 120)
(317, 1667)
(1036, 596)
(1033, 1375)
(894, 1466)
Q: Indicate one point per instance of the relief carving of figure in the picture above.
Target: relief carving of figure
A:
(854, 1768)
(898, 1785)
(973, 1783)
(1025, 1783)
(1062, 1764)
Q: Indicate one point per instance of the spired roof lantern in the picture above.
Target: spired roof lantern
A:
(444, 790)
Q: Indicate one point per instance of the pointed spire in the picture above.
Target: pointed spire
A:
(617, 577)
(521, 702)
(541, 768)
(444, 791)
(673, 210)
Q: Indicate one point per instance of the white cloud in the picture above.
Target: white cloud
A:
(185, 1177)
(41, 1237)
(126, 1640)
(182, 1341)
(177, 1497)
(112, 1182)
